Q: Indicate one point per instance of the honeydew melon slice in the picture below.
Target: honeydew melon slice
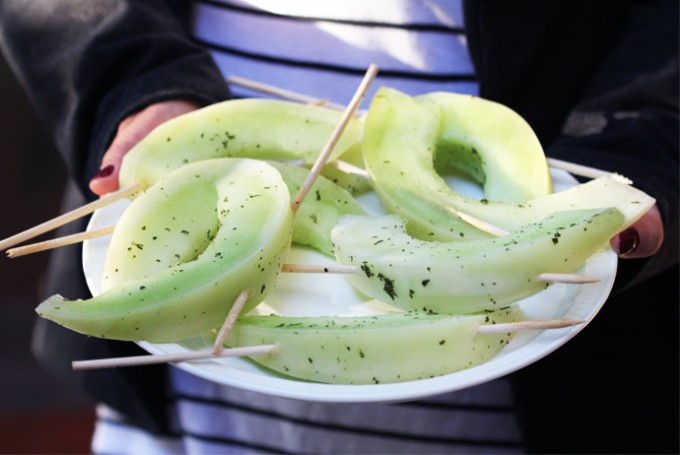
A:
(400, 138)
(467, 276)
(184, 250)
(244, 128)
(372, 349)
(493, 144)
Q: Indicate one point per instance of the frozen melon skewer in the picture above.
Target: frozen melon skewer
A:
(301, 344)
(287, 268)
(467, 276)
(372, 350)
(246, 128)
(184, 250)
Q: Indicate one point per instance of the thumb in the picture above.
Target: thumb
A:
(642, 239)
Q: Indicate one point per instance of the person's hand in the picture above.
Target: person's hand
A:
(642, 239)
(130, 131)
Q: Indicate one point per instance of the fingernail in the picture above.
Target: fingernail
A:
(628, 241)
(104, 172)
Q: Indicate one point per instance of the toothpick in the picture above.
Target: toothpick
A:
(577, 169)
(316, 268)
(479, 224)
(349, 168)
(568, 278)
(281, 93)
(58, 242)
(229, 321)
(346, 116)
(523, 326)
(68, 217)
(131, 361)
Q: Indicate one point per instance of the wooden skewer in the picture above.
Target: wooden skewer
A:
(523, 326)
(316, 268)
(577, 169)
(229, 321)
(281, 93)
(568, 278)
(346, 116)
(349, 168)
(58, 242)
(479, 224)
(171, 358)
(68, 217)
(269, 348)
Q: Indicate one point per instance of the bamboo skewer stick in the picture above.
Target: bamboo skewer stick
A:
(349, 168)
(116, 362)
(282, 93)
(568, 278)
(229, 321)
(68, 217)
(577, 169)
(479, 224)
(58, 242)
(523, 326)
(346, 116)
(171, 358)
(316, 268)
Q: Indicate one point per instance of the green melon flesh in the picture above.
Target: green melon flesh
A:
(184, 250)
(493, 144)
(375, 349)
(245, 128)
(467, 276)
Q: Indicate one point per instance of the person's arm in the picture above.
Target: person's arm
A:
(88, 65)
(598, 82)
(627, 122)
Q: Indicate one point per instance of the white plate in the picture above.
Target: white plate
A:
(315, 295)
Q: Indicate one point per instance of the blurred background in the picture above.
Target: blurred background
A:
(38, 414)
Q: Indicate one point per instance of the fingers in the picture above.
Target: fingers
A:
(106, 180)
(642, 239)
(130, 131)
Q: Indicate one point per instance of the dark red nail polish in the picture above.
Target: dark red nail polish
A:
(104, 172)
(628, 241)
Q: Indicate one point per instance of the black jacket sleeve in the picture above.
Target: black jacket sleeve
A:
(598, 81)
(627, 122)
(87, 65)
